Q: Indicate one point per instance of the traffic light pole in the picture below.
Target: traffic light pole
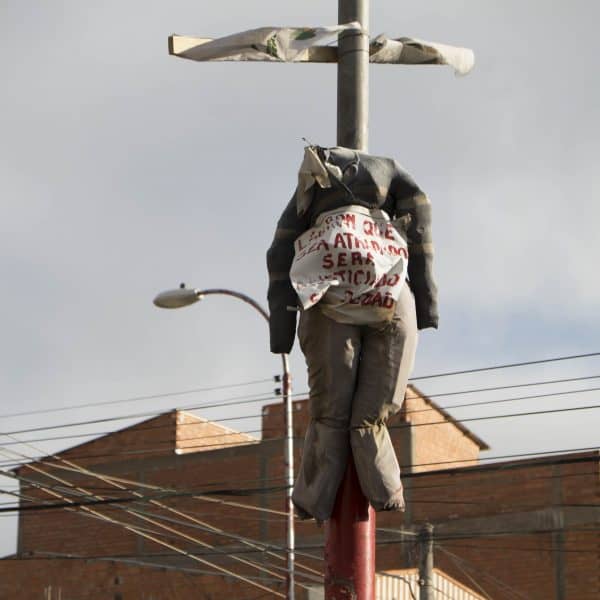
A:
(350, 532)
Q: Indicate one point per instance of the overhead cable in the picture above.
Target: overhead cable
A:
(136, 398)
(505, 366)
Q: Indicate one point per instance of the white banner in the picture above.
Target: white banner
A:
(353, 254)
(286, 44)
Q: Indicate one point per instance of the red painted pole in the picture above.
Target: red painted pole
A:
(350, 544)
(350, 532)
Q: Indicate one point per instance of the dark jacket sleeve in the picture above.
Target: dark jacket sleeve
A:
(282, 322)
(413, 203)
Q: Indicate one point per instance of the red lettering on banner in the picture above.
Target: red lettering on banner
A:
(393, 280)
(356, 273)
(375, 246)
(339, 241)
(368, 227)
(349, 220)
(389, 232)
(357, 258)
(397, 251)
(349, 237)
(370, 259)
(341, 260)
(357, 243)
(327, 261)
(377, 299)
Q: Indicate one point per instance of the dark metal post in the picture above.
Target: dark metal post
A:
(426, 563)
(350, 533)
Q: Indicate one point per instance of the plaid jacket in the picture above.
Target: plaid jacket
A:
(370, 181)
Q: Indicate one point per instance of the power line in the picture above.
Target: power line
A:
(512, 386)
(404, 466)
(247, 400)
(508, 416)
(81, 423)
(151, 534)
(109, 419)
(226, 386)
(251, 491)
(506, 366)
(510, 549)
(262, 398)
(504, 400)
(136, 398)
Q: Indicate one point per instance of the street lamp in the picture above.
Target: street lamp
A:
(182, 296)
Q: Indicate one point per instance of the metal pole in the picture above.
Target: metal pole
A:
(426, 563)
(350, 544)
(353, 77)
(289, 475)
(289, 438)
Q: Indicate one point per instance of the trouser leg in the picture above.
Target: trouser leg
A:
(332, 354)
(387, 359)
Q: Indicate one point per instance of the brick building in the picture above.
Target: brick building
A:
(213, 499)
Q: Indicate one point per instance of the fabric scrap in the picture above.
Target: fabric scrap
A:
(411, 51)
(283, 44)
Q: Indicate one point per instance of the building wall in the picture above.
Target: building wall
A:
(38, 579)
(529, 525)
(436, 441)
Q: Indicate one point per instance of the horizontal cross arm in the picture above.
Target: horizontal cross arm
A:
(187, 47)
(401, 51)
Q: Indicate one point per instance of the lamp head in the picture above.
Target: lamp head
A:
(177, 298)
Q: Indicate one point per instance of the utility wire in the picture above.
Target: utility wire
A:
(136, 398)
(257, 398)
(474, 474)
(422, 377)
(140, 415)
(152, 535)
(512, 386)
(164, 493)
(504, 400)
(109, 419)
(142, 427)
(195, 523)
(462, 564)
(511, 549)
(134, 560)
(408, 476)
(508, 416)
(506, 366)
(461, 568)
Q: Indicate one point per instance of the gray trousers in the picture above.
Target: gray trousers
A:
(357, 377)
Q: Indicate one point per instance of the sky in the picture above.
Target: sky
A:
(125, 171)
